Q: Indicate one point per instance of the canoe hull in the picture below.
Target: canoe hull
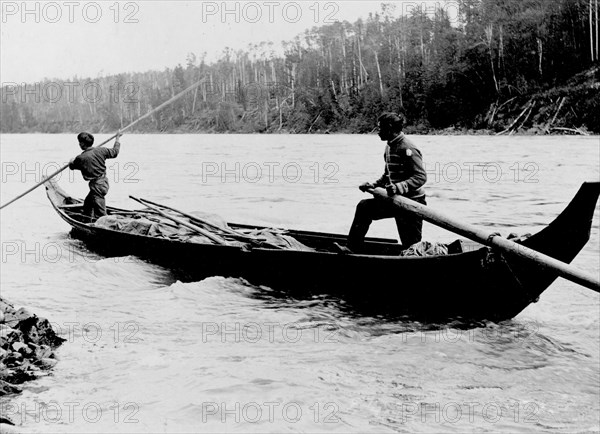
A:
(478, 285)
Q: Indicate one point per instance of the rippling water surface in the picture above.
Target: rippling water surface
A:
(148, 353)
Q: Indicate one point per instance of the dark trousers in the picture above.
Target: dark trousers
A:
(94, 204)
(410, 225)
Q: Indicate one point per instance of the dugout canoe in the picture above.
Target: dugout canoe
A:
(480, 284)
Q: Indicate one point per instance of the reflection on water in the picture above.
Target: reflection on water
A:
(146, 352)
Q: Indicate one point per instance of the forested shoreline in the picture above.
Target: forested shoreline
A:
(497, 67)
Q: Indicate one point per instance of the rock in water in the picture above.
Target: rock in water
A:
(26, 347)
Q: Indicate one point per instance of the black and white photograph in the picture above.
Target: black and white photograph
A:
(300, 216)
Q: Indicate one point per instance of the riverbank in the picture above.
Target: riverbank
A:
(567, 108)
(410, 130)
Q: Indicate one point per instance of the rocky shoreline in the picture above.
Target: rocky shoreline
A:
(27, 345)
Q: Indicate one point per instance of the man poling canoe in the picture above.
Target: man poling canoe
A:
(92, 164)
(404, 200)
(404, 174)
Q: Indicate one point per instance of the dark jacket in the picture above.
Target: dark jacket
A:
(92, 161)
(404, 168)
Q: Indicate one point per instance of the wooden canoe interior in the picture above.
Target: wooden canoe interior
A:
(72, 208)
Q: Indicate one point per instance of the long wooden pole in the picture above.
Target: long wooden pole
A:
(198, 229)
(160, 107)
(200, 220)
(230, 232)
(468, 231)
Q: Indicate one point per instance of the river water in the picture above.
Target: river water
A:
(145, 352)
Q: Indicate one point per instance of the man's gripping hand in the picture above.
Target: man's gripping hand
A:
(366, 186)
(391, 189)
(395, 189)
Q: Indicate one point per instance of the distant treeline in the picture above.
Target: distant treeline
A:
(499, 65)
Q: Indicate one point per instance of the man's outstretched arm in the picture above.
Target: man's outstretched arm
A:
(114, 151)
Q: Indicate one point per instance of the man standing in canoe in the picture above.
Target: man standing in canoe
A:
(92, 163)
(405, 175)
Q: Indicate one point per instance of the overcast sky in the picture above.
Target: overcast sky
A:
(65, 39)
